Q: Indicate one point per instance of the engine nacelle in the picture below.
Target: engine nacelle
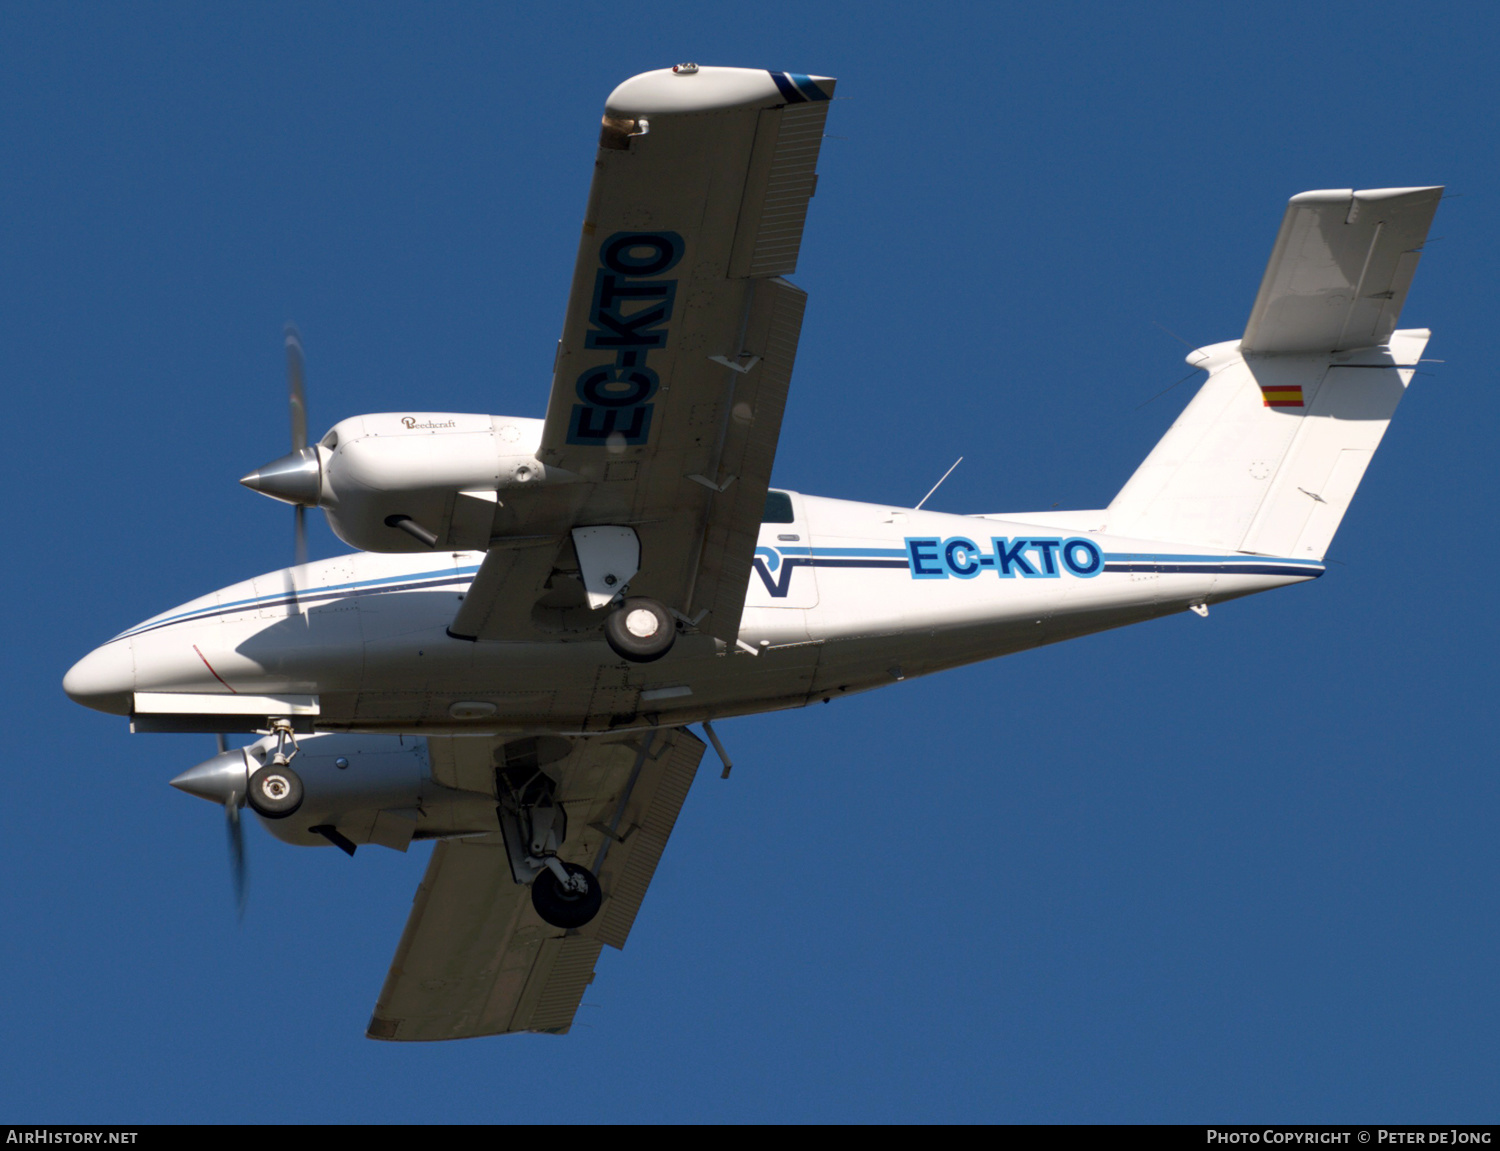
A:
(370, 787)
(375, 789)
(406, 482)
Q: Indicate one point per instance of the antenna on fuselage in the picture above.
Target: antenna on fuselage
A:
(939, 484)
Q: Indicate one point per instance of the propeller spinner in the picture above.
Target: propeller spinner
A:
(295, 478)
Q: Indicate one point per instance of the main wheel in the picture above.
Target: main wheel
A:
(275, 791)
(566, 909)
(640, 630)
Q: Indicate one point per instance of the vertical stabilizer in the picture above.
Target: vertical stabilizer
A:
(1267, 456)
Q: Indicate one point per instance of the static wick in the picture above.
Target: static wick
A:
(939, 484)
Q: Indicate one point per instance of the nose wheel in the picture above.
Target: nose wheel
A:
(640, 630)
(275, 791)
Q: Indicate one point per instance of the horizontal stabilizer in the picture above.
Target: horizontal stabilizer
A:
(1340, 269)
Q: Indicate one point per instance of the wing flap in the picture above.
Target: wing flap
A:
(509, 582)
(754, 426)
(1340, 270)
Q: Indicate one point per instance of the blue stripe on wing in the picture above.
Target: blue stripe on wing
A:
(788, 88)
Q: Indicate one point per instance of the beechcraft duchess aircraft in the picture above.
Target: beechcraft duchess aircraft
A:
(576, 591)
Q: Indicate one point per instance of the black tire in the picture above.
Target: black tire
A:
(275, 791)
(624, 624)
(566, 909)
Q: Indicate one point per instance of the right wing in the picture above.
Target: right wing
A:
(680, 334)
(475, 958)
(1340, 269)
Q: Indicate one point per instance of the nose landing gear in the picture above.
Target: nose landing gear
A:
(275, 790)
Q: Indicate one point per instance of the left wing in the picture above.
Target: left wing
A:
(475, 958)
(677, 349)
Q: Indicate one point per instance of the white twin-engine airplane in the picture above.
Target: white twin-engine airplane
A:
(539, 609)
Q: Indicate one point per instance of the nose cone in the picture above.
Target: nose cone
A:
(104, 679)
(217, 779)
(295, 479)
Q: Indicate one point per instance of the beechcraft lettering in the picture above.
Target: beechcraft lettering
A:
(628, 317)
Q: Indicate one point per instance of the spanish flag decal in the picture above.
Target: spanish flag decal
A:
(1284, 396)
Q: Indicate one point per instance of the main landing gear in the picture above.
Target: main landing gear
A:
(640, 630)
(566, 895)
(275, 790)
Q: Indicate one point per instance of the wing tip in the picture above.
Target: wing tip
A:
(689, 88)
(1423, 192)
(1323, 196)
(382, 1028)
(1366, 195)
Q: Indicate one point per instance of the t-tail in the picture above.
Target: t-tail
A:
(1267, 456)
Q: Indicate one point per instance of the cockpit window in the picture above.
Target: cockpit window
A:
(778, 509)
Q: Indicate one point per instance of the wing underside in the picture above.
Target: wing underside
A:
(475, 958)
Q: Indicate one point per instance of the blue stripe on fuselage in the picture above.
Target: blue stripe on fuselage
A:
(1118, 562)
(418, 582)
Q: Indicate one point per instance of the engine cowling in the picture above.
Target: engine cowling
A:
(406, 482)
(370, 789)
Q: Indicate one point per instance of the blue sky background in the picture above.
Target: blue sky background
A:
(1235, 869)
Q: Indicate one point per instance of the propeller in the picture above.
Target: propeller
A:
(223, 780)
(238, 868)
(295, 478)
(297, 403)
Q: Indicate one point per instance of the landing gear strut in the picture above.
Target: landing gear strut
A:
(275, 790)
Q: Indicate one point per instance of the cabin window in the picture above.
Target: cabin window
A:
(778, 509)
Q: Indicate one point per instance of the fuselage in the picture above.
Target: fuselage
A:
(843, 597)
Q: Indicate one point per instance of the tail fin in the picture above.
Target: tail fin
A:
(1267, 456)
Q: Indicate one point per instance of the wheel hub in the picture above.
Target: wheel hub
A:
(641, 623)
